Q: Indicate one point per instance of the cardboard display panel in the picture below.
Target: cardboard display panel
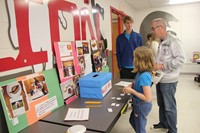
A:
(99, 58)
(29, 98)
(73, 61)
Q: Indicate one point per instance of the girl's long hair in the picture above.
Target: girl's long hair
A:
(143, 59)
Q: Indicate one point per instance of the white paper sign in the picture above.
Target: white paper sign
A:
(46, 106)
(77, 114)
(123, 83)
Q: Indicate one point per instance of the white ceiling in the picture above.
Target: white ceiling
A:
(145, 4)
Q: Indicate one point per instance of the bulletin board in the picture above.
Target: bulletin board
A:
(29, 98)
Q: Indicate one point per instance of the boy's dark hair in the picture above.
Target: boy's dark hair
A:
(127, 18)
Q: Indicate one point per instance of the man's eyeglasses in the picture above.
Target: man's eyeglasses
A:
(153, 28)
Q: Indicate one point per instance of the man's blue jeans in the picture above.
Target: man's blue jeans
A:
(138, 117)
(167, 105)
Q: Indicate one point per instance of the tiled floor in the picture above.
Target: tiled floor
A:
(188, 104)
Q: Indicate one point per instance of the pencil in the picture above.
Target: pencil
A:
(93, 102)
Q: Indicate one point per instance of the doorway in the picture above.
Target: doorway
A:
(117, 27)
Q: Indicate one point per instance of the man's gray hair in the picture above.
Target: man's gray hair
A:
(161, 21)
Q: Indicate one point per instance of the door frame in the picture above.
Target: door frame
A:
(120, 26)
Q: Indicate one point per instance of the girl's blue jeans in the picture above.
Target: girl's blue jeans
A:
(138, 117)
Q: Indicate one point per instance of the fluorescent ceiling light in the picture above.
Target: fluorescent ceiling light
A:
(182, 1)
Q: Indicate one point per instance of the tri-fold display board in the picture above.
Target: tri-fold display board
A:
(99, 56)
(73, 61)
(27, 99)
(76, 59)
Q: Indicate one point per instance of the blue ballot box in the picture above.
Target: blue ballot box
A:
(95, 85)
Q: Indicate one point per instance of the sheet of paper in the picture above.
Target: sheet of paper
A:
(77, 114)
(123, 83)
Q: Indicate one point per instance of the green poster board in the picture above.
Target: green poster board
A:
(27, 99)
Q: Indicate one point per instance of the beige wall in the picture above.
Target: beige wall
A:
(187, 29)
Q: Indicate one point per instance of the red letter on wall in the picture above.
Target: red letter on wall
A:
(26, 56)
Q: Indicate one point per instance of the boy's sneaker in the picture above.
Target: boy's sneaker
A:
(158, 126)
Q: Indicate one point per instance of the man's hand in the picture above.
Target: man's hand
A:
(159, 66)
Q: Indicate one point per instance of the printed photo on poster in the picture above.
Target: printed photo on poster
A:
(83, 54)
(80, 51)
(100, 45)
(97, 59)
(79, 47)
(94, 45)
(85, 47)
(65, 49)
(70, 88)
(76, 83)
(35, 87)
(15, 98)
(104, 62)
(98, 69)
(81, 61)
(68, 66)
